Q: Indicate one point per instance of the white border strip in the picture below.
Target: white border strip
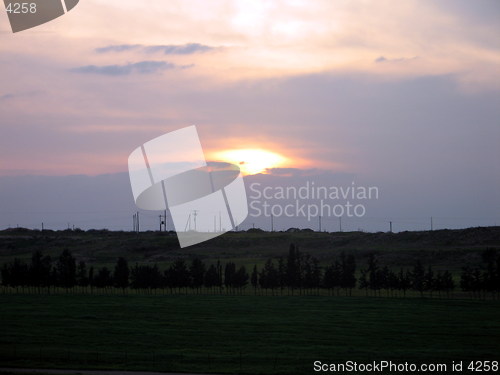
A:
(64, 6)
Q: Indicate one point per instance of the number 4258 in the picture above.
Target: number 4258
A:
(21, 8)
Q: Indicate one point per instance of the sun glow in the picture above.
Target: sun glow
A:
(251, 161)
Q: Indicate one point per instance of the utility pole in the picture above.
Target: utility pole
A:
(42, 226)
(390, 226)
(340, 223)
(272, 223)
(320, 223)
(138, 226)
(195, 213)
(432, 224)
(163, 221)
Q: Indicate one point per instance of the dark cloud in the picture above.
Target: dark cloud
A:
(169, 49)
(186, 49)
(9, 96)
(142, 67)
(118, 48)
(6, 96)
(382, 59)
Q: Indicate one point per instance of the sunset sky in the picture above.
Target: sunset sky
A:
(404, 94)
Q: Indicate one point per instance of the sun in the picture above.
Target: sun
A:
(251, 161)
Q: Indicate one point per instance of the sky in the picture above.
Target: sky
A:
(404, 96)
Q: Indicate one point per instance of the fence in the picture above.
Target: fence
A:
(250, 291)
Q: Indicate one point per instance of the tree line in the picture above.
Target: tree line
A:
(295, 273)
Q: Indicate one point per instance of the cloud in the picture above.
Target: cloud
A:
(382, 59)
(186, 49)
(6, 96)
(169, 49)
(142, 67)
(118, 48)
(292, 172)
(9, 96)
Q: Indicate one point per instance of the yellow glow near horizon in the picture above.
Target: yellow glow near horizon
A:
(251, 161)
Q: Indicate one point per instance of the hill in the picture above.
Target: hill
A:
(450, 249)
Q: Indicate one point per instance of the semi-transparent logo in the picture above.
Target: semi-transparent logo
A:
(24, 15)
(205, 199)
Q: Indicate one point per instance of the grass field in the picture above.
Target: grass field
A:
(241, 334)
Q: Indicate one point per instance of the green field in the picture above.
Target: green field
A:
(241, 334)
(247, 334)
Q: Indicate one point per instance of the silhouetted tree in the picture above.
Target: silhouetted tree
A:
(240, 278)
(443, 282)
(103, 278)
(307, 271)
(81, 274)
(269, 276)
(363, 280)
(255, 278)
(145, 277)
(91, 279)
(418, 278)
(331, 278)
(477, 281)
(392, 281)
(281, 274)
(293, 269)
(66, 269)
(447, 282)
(40, 270)
(179, 274)
(15, 274)
(491, 279)
(496, 282)
(229, 272)
(429, 281)
(383, 278)
(348, 270)
(404, 281)
(311, 272)
(466, 281)
(212, 277)
(197, 272)
(121, 274)
(373, 273)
